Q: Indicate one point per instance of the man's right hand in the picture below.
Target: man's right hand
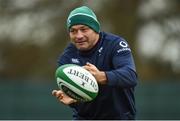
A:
(62, 97)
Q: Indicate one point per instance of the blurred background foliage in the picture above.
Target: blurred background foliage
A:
(33, 33)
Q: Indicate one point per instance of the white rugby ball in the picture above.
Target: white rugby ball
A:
(77, 82)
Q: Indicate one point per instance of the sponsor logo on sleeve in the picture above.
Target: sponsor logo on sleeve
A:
(124, 47)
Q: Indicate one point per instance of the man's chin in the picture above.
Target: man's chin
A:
(82, 48)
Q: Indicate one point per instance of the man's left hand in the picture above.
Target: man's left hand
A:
(99, 75)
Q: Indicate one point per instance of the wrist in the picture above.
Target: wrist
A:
(103, 78)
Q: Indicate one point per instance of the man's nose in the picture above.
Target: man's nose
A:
(79, 34)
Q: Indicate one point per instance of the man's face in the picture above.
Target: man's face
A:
(83, 37)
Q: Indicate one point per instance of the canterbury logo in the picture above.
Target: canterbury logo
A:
(75, 60)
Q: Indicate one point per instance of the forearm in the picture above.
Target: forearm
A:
(122, 78)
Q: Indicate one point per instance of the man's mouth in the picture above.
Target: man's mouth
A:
(80, 42)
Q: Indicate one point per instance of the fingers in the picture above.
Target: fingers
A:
(88, 66)
(88, 63)
(91, 68)
(57, 93)
(62, 97)
(54, 92)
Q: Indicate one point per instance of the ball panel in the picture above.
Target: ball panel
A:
(67, 88)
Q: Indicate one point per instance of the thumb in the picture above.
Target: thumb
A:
(54, 92)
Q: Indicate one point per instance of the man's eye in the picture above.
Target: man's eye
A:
(72, 30)
(84, 29)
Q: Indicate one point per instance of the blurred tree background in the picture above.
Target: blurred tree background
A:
(33, 33)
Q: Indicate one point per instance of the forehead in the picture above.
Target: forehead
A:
(79, 26)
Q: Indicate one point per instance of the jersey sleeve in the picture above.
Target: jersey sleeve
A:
(64, 58)
(124, 72)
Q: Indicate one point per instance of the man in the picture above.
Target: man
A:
(109, 59)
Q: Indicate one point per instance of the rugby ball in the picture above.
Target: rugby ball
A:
(77, 82)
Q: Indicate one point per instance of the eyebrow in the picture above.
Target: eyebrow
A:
(80, 27)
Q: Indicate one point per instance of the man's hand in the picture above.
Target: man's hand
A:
(99, 75)
(62, 97)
